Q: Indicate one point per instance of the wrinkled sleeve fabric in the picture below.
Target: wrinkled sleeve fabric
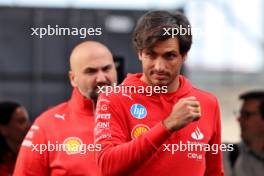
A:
(120, 155)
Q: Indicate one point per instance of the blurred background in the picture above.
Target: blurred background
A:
(227, 56)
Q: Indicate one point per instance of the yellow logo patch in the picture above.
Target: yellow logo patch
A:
(72, 145)
(139, 130)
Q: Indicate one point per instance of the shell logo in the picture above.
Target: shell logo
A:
(138, 130)
(72, 145)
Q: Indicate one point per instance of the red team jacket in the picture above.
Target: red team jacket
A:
(70, 126)
(135, 142)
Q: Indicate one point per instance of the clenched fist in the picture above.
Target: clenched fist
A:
(185, 111)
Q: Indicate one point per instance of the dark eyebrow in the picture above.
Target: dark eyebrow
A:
(90, 70)
(107, 67)
(95, 69)
(172, 51)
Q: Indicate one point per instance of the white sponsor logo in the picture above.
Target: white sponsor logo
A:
(97, 131)
(102, 125)
(195, 156)
(197, 134)
(27, 143)
(30, 134)
(104, 100)
(102, 105)
(129, 96)
(60, 116)
(102, 116)
(103, 136)
(35, 127)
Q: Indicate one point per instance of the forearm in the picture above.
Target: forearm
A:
(125, 158)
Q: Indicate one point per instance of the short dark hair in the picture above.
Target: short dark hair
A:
(149, 30)
(255, 95)
(7, 109)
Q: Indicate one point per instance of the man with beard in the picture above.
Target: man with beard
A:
(60, 142)
(153, 135)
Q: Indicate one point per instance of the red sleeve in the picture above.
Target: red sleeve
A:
(119, 155)
(214, 166)
(31, 161)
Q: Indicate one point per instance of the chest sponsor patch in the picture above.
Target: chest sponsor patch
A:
(197, 134)
(138, 111)
(73, 145)
(102, 105)
(139, 130)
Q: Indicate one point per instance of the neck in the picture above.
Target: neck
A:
(174, 86)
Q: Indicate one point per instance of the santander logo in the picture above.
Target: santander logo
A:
(197, 134)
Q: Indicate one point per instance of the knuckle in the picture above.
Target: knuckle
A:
(185, 104)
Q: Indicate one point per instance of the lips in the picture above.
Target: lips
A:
(159, 76)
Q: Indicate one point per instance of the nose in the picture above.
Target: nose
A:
(159, 64)
(101, 77)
